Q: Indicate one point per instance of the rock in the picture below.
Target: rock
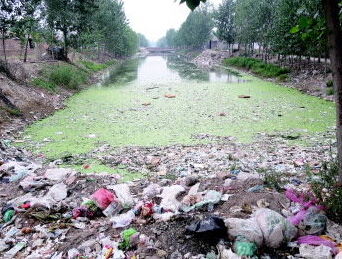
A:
(161, 253)
(315, 252)
(176, 255)
(57, 174)
(191, 180)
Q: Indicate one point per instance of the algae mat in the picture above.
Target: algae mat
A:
(138, 113)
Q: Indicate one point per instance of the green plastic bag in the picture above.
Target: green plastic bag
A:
(125, 235)
(8, 215)
(243, 247)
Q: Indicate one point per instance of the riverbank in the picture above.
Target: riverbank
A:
(312, 80)
(36, 93)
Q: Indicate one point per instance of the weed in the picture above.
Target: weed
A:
(14, 112)
(326, 190)
(258, 67)
(330, 91)
(65, 76)
(330, 83)
(96, 66)
(43, 84)
(283, 77)
(272, 179)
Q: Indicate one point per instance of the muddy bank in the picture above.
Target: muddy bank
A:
(32, 103)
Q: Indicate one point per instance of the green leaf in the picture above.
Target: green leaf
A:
(295, 29)
(303, 22)
(192, 4)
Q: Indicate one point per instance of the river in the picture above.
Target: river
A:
(132, 107)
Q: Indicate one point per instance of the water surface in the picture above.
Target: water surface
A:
(130, 108)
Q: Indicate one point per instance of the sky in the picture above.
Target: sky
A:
(154, 17)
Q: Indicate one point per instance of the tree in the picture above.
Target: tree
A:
(143, 42)
(7, 17)
(335, 52)
(196, 30)
(224, 22)
(69, 17)
(171, 35)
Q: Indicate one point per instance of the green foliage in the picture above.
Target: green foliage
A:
(283, 77)
(143, 42)
(224, 21)
(330, 83)
(14, 112)
(257, 66)
(327, 192)
(193, 33)
(65, 76)
(96, 66)
(272, 179)
(43, 84)
(330, 91)
(192, 4)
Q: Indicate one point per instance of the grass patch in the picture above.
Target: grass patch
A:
(40, 82)
(65, 76)
(96, 66)
(330, 91)
(14, 112)
(258, 67)
(330, 83)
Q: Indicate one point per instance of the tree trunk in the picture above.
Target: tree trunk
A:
(4, 45)
(65, 44)
(335, 51)
(26, 46)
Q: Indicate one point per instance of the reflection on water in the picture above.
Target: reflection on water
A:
(166, 68)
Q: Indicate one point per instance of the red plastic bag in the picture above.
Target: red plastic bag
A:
(103, 198)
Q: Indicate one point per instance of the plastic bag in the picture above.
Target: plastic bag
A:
(317, 241)
(315, 252)
(243, 247)
(248, 228)
(169, 197)
(211, 227)
(275, 228)
(313, 222)
(123, 220)
(125, 235)
(103, 198)
(123, 193)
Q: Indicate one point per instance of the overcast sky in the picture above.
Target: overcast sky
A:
(154, 17)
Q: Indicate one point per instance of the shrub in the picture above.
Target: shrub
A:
(96, 66)
(330, 83)
(257, 66)
(66, 76)
(43, 84)
(330, 91)
(327, 191)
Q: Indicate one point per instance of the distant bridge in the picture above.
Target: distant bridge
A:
(154, 50)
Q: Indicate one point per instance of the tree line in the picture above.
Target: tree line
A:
(193, 33)
(99, 25)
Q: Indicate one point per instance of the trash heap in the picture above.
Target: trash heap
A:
(59, 213)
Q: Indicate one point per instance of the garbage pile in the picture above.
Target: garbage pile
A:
(59, 213)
